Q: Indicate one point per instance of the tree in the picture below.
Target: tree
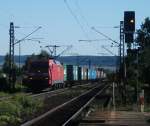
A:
(6, 70)
(5, 67)
(138, 60)
(42, 55)
(143, 40)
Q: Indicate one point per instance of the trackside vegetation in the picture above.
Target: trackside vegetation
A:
(14, 111)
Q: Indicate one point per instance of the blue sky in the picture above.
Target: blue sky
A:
(60, 27)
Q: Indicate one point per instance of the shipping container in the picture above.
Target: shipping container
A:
(84, 73)
(92, 74)
(75, 73)
(65, 72)
(98, 73)
(68, 73)
(79, 73)
(102, 73)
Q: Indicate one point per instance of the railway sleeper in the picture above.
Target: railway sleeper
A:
(61, 114)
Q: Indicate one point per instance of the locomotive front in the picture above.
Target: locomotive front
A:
(37, 76)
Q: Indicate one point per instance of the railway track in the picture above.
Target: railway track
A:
(45, 94)
(55, 92)
(63, 114)
(9, 97)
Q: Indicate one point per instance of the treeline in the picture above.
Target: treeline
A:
(138, 61)
(4, 72)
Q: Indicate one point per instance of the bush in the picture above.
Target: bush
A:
(9, 113)
(3, 83)
(29, 105)
(13, 111)
(3, 94)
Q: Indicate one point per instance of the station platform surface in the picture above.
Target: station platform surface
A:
(115, 118)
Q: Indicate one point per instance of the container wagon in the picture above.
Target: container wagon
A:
(72, 75)
(92, 74)
(50, 73)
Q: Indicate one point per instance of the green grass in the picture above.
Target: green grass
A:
(3, 94)
(147, 108)
(13, 111)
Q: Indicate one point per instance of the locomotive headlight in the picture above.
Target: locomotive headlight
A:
(46, 78)
(30, 78)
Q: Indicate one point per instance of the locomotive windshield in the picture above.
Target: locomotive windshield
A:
(41, 67)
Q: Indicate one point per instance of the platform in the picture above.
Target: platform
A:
(115, 118)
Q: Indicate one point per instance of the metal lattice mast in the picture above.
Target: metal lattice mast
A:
(122, 61)
(11, 55)
(121, 48)
(121, 39)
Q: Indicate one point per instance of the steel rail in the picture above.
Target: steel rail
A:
(82, 108)
(38, 120)
(56, 92)
(43, 93)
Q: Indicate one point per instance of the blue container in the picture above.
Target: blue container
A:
(92, 74)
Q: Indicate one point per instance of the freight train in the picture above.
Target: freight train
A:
(43, 74)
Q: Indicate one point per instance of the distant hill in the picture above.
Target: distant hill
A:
(22, 59)
(92, 60)
(102, 61)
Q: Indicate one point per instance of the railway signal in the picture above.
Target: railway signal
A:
(129, 26)
(129, 21)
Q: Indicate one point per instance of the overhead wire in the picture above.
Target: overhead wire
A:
(81, 13)
(85, 21)
(87, 24)
(108, 50)
(76, 18)
(93, 28)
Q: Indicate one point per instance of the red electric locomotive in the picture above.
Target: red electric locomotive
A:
(43, 74)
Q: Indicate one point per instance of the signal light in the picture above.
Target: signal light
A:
(129, 21)
(132, 21)
(129, 26)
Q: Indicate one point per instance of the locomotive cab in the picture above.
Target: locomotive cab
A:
(43, 74)
(37, 76)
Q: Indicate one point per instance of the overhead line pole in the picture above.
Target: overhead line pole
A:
(12, 72)
(32, 39)
(121, 54)
(11, 56)
(27, 36)
(122, 63)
